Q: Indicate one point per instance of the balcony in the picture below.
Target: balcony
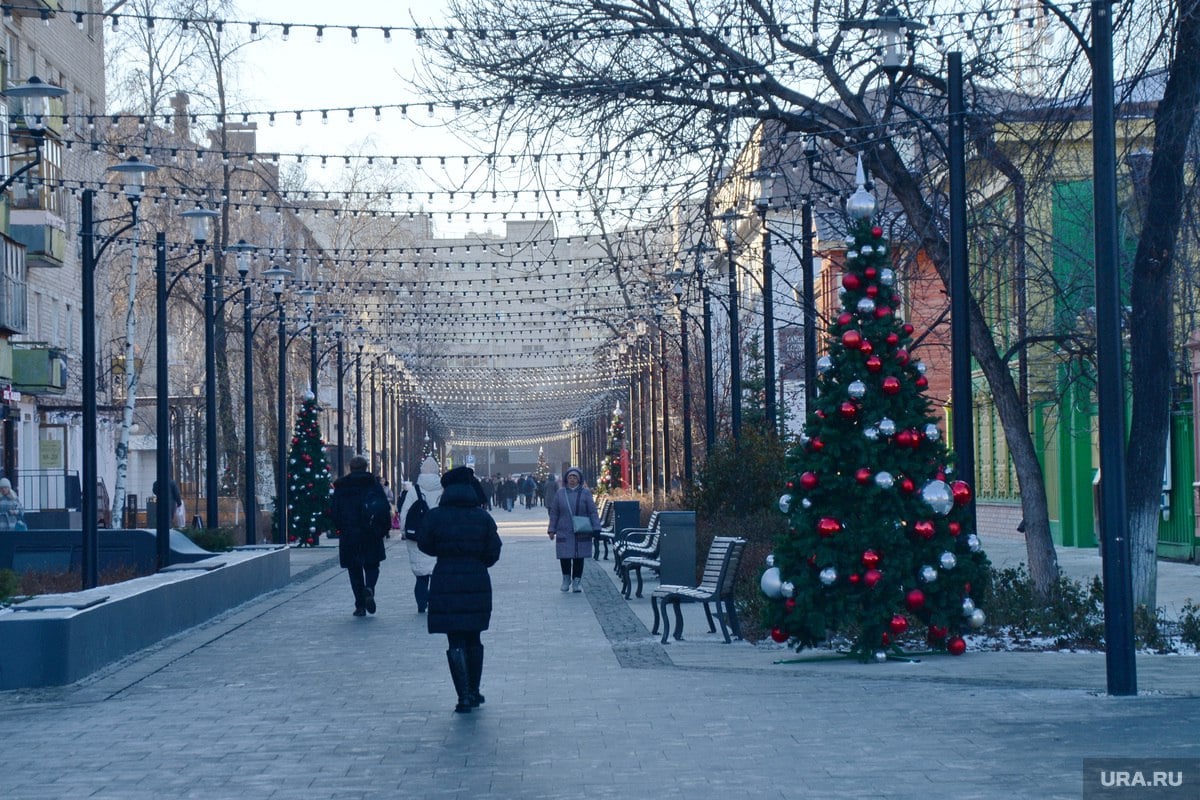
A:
(39, 370)
(14, 317)
(43, 234)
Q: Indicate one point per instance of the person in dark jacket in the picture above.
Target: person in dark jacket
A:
(573, 499)
(360, 540)
(462, 536)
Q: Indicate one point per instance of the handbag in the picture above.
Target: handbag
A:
(581, 523)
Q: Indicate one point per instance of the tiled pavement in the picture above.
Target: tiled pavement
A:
(291, 697)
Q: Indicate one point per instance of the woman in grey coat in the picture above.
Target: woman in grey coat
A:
(572, 500)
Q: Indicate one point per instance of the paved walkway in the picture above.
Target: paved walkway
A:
(291, 697)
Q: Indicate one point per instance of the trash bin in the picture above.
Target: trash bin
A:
(677, 548)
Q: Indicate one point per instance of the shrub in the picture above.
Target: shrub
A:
(1073, 614)
(38, 583)
(1189, 624)
(10, 585)
(741, 478)
(215, 540)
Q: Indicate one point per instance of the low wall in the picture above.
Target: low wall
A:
(54, 640)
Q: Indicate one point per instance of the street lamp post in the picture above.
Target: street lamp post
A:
(133, 173)
(310, 303)
(279, 274)
(359, 333)
(244, 251)
(766, 181)
(735, 350)
(198, 219)
(685, 367)
(339, 323)
(710, 399)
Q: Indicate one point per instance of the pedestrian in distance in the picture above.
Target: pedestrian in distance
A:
(421, 496)
(12, 516)
(572, 539)
(361, 515)
(462, 536)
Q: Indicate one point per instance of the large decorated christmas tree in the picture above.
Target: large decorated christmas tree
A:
(542, 470)
(879, 546)
(310, 484)
(610, 470)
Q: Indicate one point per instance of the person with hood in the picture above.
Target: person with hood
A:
(12, 516)
(431, 492)
(462, 536)
(572, 542)
(360, 530)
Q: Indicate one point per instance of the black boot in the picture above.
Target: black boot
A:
(457, 659)
(474, 672)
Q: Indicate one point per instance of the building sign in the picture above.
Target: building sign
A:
(50, 454)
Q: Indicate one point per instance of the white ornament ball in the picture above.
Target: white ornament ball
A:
(788, 589)
(770, 559)
(785, 503)
(932, 433)
(849, 241)
(851, 255)
(974, 543)
(824, 364)
(928, 574)
(771, 583)
(866, 306)
(881, 249)
(805, 503)
(968, 607)
(884, 479)
(920, 367)
(948, 560)
(827, 576)
(857, 389)
(887, 277)
(866, 249)
(887, 427)
(312, 529)
(880, 656)
(977, 618)
(872, 433)
(937, 496)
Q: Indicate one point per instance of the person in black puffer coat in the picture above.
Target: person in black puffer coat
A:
(360, 541)
(462, 536)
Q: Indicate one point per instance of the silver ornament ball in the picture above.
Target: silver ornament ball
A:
(785, 503)
(928, 574)
(968, 607)
(884, 479)
(932, 433)
(866, 306)
(788, 589)
(948, 560)
(937, 495)
(887, 427)
(857, 389)
(771, 583)
(887, 277)
(977, 618)
(827, 576)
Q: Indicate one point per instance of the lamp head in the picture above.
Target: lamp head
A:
(243, 251)
(278, 275)
(133, 172)
(198, 220)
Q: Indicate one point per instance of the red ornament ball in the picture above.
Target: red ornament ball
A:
(876, 231)
(779, 635)
(882, 312)
(790, 603)
(961, 491)
(866, 348)
(915, 600)
(816, 444)
(956, 646)
(921, 382)
(848, 410)
(937, 633)
(872, 290)
(851, 281)
(852, 339)
(955, 528)
(914, 438)
(902, 438)
(809, 480)
(892, 340)
(907, 486)
(872, 577)
(863, 476)
(870, 559)
(891, 384)
(845, 318)
(908, 328)
(874, 364)
(898, 625)
(902, 356)
(828, 526)
(870, 273)
(854, 579)
(924, 529)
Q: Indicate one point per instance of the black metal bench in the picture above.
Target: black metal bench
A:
(636, 541)
(716, 586)
(606, 536)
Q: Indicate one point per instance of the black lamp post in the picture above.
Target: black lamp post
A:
(244, 252)
(279, 275)
(359, 333)
(310, 304)
(710, 398)
(198, 220)
(133, 173)
(735, 348)
(685, 367)
(339, 322)
(766, 180)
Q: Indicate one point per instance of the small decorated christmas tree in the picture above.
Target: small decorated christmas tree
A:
(610, 470)
(879, 537)
(310, 484)
(542, 470)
